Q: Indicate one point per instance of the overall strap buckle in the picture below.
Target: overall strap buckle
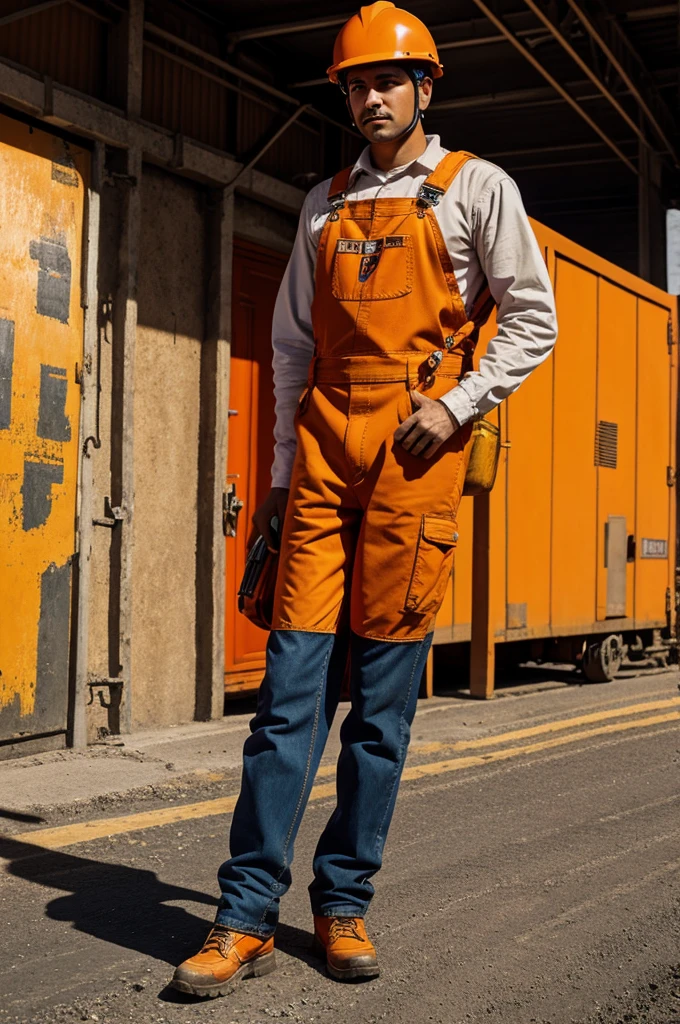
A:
(430, 367)
(335, 204)
(429, 195)
(439, 180)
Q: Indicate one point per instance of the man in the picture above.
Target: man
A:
(373, 333)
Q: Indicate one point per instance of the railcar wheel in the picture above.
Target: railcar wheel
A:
(602, 659)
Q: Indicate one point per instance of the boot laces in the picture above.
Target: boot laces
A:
(344, 928)
(220, 938)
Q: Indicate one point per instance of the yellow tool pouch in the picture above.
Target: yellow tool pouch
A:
(483, 464)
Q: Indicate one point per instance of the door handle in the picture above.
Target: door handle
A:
(231, 506)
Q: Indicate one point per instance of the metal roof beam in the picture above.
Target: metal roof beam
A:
(608, 35)
(557, 34)
(154, 30)
(26, 12)
(315, 24)
(648, 13)
(263, 148)
(287, 28)
(454, 44)
(536, 64)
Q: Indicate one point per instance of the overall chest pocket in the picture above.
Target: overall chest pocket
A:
(366, 269)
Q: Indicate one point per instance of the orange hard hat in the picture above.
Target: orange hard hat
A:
(382, 34)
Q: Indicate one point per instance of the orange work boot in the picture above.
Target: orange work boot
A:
(347, 949)
(226, 957)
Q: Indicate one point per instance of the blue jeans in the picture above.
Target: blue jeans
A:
(298, 699)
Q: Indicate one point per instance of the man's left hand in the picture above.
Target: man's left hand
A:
(426, 430)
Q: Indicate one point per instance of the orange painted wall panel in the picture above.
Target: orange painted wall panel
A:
(551, 501)
(42, 201)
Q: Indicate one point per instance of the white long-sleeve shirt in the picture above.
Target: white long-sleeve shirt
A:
(488, 236)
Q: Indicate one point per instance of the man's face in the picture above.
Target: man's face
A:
(381, 100)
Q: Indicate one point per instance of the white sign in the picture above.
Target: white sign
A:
(654, 548)
(673, 251)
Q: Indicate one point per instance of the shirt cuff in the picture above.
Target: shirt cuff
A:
(282, 469)
(459, 403)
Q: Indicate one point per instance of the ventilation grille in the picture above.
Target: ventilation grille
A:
(606, 444)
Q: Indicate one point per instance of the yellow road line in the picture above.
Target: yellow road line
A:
(419, 771)
(69, 835)
(533, 730)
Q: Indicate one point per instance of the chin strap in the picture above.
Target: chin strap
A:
(416, 75)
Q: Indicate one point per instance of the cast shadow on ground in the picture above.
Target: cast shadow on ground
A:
(129, 907)
(126, 906)
(29, 819)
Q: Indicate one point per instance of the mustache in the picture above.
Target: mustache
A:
(376, 116)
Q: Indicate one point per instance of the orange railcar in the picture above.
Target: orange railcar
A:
(577, 539)
(576, 543)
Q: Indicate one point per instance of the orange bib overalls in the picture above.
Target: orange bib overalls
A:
(371, 529)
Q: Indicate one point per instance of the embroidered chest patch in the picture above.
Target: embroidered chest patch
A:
(370, 250)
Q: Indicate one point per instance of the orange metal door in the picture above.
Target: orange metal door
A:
(42, 199)
(256, 278)
(655, 457)
(573, 579)
(615, 448)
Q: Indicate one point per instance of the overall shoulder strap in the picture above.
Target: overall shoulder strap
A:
(337, 193)
(437, 183)
(339, 183)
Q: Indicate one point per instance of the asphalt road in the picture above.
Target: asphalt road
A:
(531, 875)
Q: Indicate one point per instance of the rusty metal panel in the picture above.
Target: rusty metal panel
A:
(256, 119)
(298, 151)
(183, 100)
(64, 42)
(41, 324)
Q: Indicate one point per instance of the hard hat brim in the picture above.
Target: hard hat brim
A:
(399, 57)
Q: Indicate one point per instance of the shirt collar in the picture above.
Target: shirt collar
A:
(427, 160)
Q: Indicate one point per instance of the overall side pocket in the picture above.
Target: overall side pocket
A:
(432, 564)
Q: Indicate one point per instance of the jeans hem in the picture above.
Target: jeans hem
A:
(242, 926)
(341, 910)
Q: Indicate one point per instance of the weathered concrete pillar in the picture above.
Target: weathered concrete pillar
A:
(212, 462)
(125, 334)
(88, 431)
(651, 219)
(135, 58)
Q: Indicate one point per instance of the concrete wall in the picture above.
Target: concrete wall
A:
(102, 639)
(154, 386)
(170, 329)
(150, 409)
(164, 382)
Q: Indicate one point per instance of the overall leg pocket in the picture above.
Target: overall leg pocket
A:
(432, 563)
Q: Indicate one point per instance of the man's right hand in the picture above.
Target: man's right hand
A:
(273, 505)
